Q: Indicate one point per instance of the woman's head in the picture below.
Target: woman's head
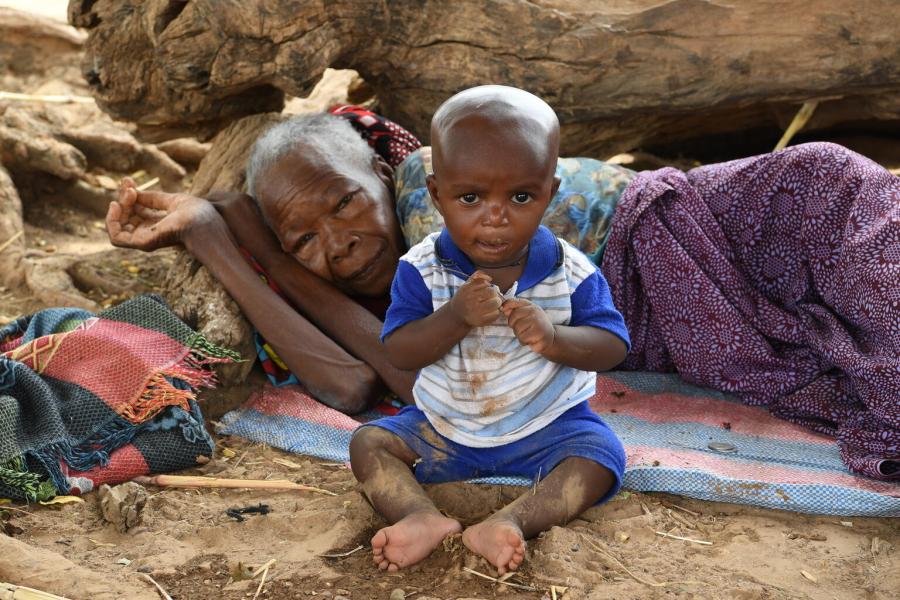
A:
(329, 199)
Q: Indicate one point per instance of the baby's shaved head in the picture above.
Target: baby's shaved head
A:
(481, 114)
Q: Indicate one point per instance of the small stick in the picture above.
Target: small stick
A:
(683, 509)
(184, 481)
(238, 462)
(53, 99)
(636, 578)
(803, 115)
(286, 463)
(536, 482)
(680, 519)
(5, 507)
(148, 184)
(619, 563)
(342, 554)
(261, 582)
(162, 592)
(27, 593)
(527, 588)
(264, 567)
(14, 237)
(684, 539)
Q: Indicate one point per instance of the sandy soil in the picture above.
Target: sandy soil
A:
(190, 546)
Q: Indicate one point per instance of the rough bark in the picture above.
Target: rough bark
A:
(28, 143)
(222, 169)
(48, 571)
(50, 282)
(618, 73)
(185, 151)
(33, 50)
(12, 240)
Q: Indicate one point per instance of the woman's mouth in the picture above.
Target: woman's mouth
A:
(367, 269)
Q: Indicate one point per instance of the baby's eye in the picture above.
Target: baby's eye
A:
(521, 198)
(469, 198)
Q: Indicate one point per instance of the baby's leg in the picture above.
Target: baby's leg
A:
(382, 463)
(572, 487)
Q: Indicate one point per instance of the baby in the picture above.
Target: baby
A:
(507, 326)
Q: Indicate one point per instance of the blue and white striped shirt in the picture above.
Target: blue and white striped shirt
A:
(489, 389)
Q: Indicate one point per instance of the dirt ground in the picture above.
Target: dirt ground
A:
(187, 543)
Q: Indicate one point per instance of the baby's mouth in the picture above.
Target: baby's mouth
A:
(493, 246)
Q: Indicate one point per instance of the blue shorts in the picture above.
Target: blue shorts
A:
(576, 432)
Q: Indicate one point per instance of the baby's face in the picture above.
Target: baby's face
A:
(492, 186)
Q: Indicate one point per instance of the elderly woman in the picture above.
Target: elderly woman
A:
(773, 277)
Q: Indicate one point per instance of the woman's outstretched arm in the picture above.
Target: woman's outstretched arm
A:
(150, 220)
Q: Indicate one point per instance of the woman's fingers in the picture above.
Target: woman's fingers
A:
(113, 221)
(146, 212)
(162, 201)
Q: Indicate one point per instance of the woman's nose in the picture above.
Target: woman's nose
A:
(340, 243)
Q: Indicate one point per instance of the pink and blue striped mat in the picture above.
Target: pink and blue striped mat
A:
(674, 434)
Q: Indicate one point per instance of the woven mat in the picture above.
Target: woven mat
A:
(670, 431)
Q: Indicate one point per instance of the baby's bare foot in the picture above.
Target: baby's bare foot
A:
(499, 540)
(411, 539)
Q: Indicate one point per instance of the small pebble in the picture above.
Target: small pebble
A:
(145, 569)
(398, 594)
(723, 447)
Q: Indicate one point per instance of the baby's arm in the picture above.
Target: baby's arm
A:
(420, 343)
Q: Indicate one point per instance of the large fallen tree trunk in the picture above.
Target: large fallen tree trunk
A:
(618, 73)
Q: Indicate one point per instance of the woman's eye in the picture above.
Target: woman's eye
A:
(469, 198)
(521, 198)
(304, 239)
(344, 201)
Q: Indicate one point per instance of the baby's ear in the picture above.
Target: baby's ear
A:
(431, 184)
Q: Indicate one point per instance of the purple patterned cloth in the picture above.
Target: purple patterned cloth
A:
(776, 278)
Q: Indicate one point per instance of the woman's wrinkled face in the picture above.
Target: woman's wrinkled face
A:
(337, 220)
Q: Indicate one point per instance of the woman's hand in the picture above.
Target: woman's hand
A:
(151, 220)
